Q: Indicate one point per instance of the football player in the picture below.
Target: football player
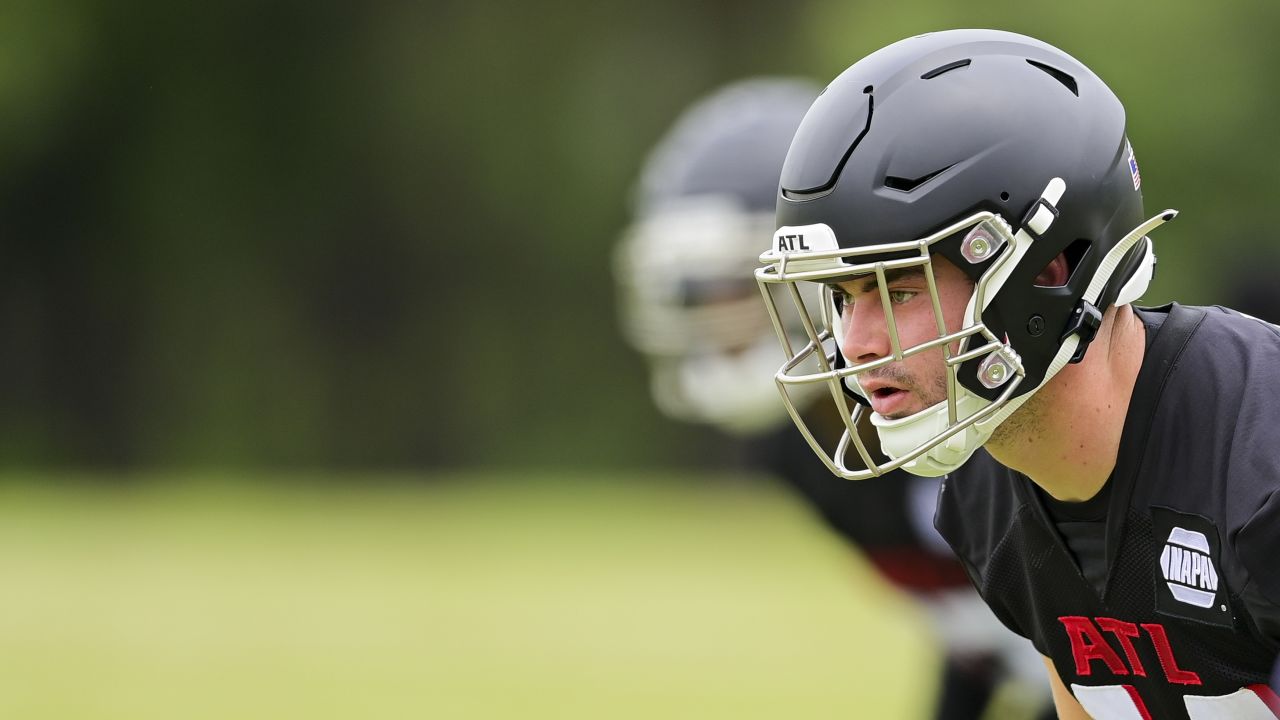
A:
(703, 210)
(968, 208)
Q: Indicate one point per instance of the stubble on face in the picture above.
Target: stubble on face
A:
(929, 391)
(924, 376)
(1025, 426)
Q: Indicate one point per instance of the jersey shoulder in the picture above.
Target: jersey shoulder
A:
(976, 507)
(1212, 449)
(1215, 418)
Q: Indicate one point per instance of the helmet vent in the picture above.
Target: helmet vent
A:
(1067, 81)
(945, 68)
(807, 190)
(908, 184)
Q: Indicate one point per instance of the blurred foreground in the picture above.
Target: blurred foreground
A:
(472, 597)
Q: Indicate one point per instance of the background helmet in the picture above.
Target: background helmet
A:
(704, 206)
(998, 152)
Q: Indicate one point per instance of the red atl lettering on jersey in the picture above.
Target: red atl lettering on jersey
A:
(1089, 645)
(1123, 631)
(1165, 652)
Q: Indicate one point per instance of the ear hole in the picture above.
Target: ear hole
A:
(1061, 275)
(1076, 253)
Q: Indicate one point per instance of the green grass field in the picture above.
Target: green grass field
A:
(459, 597)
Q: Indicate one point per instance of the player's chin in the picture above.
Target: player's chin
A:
(914, 406)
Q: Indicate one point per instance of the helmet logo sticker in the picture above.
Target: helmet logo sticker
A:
(1133, 166)
(791, 243)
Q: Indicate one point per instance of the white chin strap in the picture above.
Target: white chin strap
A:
(901, 437)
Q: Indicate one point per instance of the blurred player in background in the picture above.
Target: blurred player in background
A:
(703, 213)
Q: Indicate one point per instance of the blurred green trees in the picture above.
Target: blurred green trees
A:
(286, 233)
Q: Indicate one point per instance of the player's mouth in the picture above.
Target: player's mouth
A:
(886, 400)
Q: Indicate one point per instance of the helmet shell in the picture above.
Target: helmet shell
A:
(935, 128)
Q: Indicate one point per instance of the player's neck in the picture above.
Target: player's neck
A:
(1067, 436)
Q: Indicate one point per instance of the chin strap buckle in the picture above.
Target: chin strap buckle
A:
(1085, 321)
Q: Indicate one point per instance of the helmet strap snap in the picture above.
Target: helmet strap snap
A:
(1084, 323)
(1044, 210)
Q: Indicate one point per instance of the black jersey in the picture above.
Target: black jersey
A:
(1186, 623)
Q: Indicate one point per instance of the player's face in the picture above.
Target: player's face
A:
(906, 387)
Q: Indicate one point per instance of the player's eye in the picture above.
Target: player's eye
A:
(841, 298)
(898, 297)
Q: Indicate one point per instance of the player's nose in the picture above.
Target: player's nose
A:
(865, 333)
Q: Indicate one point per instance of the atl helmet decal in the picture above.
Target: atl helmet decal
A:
(1188, 568)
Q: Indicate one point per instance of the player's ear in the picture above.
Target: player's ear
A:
(1056, 273)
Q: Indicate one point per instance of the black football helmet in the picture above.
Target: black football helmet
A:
(995, 151)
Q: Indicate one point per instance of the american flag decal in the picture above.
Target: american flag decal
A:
(1133, 167)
